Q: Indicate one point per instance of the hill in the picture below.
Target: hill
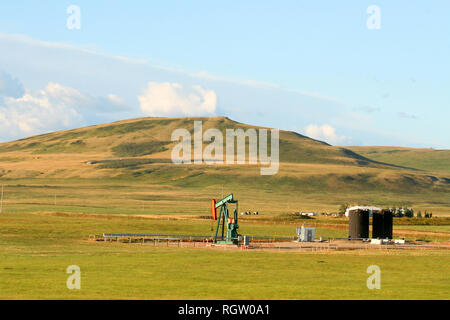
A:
(422, 159)
(126, 167)
(152, 137)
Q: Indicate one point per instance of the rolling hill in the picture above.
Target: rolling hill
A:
(133, 157)
(152, 137)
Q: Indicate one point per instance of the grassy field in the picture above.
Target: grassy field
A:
(61, 187)
(36, 249)
(159, 196)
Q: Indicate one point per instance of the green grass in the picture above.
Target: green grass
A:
(126, 163)
(432, 228)
(61, 187)
(185, 190)
(423, 159)
(139, 149)
(37, 249)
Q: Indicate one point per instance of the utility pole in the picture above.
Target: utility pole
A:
(55, 200)
(1, 205)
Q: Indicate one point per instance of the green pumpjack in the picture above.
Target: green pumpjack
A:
(223, 219)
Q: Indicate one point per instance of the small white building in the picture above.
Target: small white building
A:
(306, 234)
(370, 209)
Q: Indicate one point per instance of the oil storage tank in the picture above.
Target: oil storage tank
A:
(382, 225)
(388, 223)
(358, 225)
(378, 225)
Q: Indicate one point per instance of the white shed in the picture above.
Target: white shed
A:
(369, 208)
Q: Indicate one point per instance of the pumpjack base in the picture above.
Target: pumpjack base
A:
(226, 242)
(223, 245)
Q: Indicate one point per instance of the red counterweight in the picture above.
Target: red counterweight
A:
(213, 209)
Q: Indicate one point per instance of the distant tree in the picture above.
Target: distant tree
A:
(409, 213)
(399, 212)
(343, 207)
(419, 214)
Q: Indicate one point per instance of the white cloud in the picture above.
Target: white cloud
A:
(96, 51)
(115, 99)
(262, 85)
(95, 71)
(10, 87)
(169, 99)
(326, 133)
(58, 94)
(36, 113)
(54, 108)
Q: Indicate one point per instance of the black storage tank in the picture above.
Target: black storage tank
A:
(358, 225)
(388, 223)
(378, 225)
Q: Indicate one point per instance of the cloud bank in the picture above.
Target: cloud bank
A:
(172, 99)
(56, 107)
(96, 74)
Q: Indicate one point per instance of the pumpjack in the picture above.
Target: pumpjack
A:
(223, 219)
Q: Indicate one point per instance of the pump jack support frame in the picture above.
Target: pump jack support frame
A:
(223, 219)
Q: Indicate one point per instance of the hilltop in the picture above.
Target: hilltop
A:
(151, 137)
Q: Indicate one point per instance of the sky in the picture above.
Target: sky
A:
(345, 72)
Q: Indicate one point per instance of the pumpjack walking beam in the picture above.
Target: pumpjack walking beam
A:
(223, 219)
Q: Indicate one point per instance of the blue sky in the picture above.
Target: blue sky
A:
(309, 66)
